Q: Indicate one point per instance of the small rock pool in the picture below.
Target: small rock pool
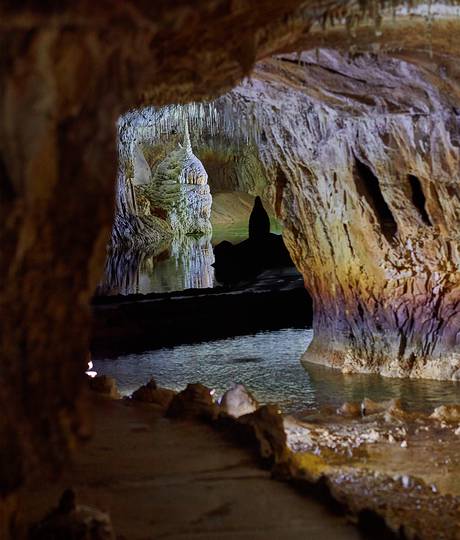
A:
(268, 364)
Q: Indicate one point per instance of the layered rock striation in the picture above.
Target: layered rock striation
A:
(362, 156)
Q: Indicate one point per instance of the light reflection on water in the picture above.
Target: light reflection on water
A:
(184, 263)
(268, 363)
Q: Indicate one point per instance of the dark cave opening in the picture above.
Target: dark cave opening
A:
(418, 198)
(367, 186)
(281, 182)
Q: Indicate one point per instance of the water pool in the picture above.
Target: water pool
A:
(268, 363)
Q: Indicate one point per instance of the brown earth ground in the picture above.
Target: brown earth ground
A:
(160, 478)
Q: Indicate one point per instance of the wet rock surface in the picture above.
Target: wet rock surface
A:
(403, 466)
(385, 468)
(367, 197)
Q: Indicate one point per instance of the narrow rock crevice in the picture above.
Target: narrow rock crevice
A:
(418, 198)
(368, 187)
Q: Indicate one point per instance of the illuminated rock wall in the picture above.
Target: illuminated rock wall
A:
(363, 159)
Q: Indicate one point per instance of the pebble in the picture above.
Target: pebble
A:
(405, 481)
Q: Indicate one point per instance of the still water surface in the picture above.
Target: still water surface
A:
(184, 263)
(268, 363)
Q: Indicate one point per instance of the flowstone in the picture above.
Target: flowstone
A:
(179, 192)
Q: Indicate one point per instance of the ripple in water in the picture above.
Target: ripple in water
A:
(268, 363)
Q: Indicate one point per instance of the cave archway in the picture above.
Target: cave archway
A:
(162, 217)
(64, 85)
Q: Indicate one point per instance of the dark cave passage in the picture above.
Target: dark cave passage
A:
(418, 198)
(367, 185)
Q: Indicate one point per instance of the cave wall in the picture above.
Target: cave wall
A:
(232, 163)
(67, 71)
(362, 156)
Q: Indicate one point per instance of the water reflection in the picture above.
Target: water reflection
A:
(268, 363)
(417, 394)
(187, 267)
(183, 264)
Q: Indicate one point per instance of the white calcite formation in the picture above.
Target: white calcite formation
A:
(179, 192)
(238, 401)
(142, 174)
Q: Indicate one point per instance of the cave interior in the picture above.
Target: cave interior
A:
(230, 254)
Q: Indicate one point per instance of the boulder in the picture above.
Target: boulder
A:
(150, 393)
(268, 427)
(350, 409)
(104, 385)
(195, 401)
(447, 413)
(238, 401)
(368, 406)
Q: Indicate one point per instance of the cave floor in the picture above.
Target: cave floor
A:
(167, 479)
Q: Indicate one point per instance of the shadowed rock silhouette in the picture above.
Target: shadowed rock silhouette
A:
(262, 251)
(259, 222)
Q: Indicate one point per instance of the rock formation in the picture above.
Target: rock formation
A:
(238, 401)
(134, 227)
(367, 189)
(69, 70)
(263, 250)
(174, 202)
(259, 222)
(179, 192)
(366, 186)
(142, 174)
(70, 521)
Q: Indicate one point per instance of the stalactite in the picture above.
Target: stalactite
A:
(222, 118)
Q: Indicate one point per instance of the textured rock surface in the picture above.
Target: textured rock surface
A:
(196, 401)
(359, 156)
(142, 174)
(362, 157)
(68, 71)
(179, 192)
(70, 520)
(150, 393)
(238, 401)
